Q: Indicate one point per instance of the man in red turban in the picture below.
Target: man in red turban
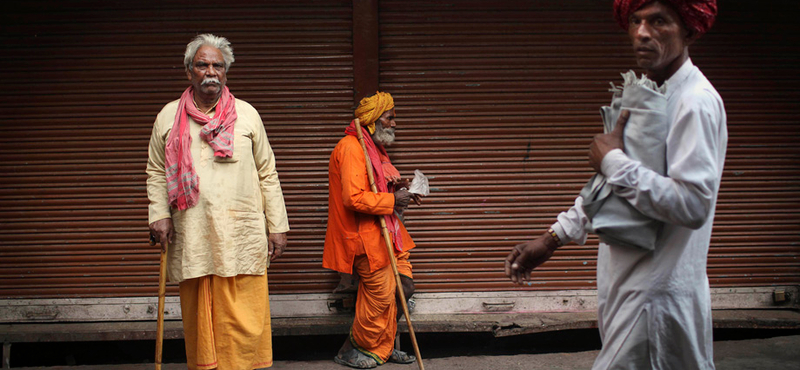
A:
(654, 306)
(697, 15)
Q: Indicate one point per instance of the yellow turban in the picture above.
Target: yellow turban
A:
(372, 107)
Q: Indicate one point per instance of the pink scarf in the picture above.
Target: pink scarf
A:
(182, 180)
(381, 182)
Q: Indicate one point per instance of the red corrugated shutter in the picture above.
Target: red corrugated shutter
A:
(84, 85)
(498, 101)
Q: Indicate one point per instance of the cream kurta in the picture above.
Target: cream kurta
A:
(225, 234)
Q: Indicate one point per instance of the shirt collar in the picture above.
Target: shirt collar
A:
(208, 112)
(679, 76)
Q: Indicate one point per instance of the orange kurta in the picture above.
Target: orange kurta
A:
(352, 208)
(354, 239)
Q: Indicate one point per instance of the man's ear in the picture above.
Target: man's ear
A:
(691, 37)
(189, 74)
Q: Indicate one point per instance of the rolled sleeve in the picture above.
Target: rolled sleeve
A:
(613, 162)
(572, 225)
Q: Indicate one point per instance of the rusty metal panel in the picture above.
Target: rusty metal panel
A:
(88, 81)
(498, 101)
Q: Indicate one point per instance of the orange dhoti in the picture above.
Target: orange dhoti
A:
(375, 324)
(226, 322)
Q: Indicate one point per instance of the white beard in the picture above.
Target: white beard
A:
(382, 136)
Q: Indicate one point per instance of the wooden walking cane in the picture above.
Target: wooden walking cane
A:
(390, 248)
(162, 290)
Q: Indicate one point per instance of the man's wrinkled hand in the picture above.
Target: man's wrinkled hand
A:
(404, 184)
(276, 244)
(162, 232)
(401, 199)
(604, 143)
(525, 257)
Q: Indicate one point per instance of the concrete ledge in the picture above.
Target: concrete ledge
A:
(87, 332)
(756, 319)
(502, 324)
(499, 324)
(289, 306)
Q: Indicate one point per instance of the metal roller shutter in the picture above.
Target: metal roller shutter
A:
(86, 82)
(498, 101)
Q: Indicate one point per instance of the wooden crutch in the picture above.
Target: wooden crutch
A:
(390, 248)
(162, 291)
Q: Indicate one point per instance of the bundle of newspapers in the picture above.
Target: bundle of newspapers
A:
(612, 217)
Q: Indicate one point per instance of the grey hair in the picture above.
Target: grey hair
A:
(220, 43)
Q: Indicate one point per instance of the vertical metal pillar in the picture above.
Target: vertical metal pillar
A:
(365, 49)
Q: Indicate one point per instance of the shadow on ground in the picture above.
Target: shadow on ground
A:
(324, 347)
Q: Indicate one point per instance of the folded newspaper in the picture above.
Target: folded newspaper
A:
(613, 218)
(419, 185)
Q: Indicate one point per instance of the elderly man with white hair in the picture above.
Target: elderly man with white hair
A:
(216, 199)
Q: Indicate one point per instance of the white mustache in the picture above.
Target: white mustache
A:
(210, 80)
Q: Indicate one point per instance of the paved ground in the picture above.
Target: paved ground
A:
(757, 354)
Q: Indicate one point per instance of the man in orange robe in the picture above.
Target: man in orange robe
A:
(353, 241)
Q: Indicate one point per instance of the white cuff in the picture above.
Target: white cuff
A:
(612, 162)
(561, 234)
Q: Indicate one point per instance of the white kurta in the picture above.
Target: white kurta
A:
(240, 200)
(654, 307)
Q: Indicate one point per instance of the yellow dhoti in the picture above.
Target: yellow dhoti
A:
(226, 322)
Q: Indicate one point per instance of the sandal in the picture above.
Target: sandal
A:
(356, 359)
(400, 357)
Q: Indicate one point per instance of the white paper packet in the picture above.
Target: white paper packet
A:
(419, 185)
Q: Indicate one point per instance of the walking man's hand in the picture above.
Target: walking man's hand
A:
(527, 256)
(604, 143)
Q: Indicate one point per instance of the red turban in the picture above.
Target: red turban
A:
(697, 15)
